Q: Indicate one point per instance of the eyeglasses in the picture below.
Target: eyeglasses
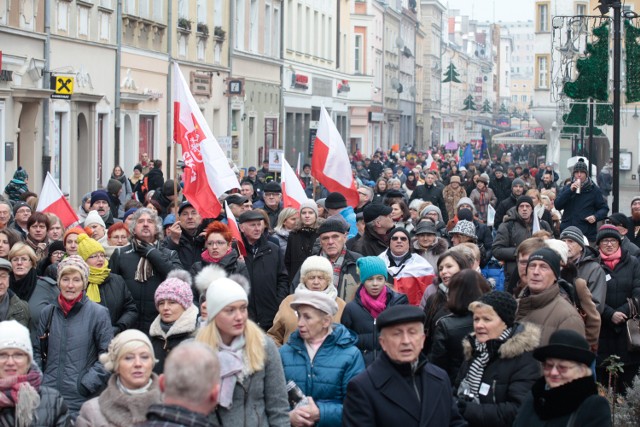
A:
(401, 238)
(217, 243)
(609, 242)
(562, 369)
(57, 253)
(271, 194)
(17, 357)
(98, 255)
(23, 260)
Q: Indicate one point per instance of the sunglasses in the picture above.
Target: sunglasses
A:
(401, 238)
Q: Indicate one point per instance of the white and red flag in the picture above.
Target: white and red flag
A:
(235, 231)
(430, 163)
(293, 194)
(52, 200)
(412, 278)
(207, 173)
(330, 162)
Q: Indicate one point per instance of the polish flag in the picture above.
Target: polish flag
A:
(330, 162)
(292, 192)
(235, 231)
(207, 173)
(52, 200)
(430, 163)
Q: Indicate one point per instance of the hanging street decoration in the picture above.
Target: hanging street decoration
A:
(486, 106)
(632, 49)
(469, 104)
(451, 75)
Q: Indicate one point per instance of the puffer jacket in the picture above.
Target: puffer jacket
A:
(299, 247)
(550, 310)
(432, 254)
(509, 375)
(124, 262)
(358, 319)
(75, 342)
(163, 342)
(577, 207)
(51, 412)
(511, 233)
(326, 377)
(589, 269)
(115, 295)
(446, 344)
(623, 282)
(230, 263)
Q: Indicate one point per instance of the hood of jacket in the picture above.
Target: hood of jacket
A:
(525, 337)
(341, 336)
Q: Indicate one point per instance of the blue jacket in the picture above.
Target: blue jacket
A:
(325, 379)
(350, 216)
(579, 206)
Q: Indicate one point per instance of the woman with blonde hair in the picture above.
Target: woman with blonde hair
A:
(252, 387)
(132, 387)
(287, 220)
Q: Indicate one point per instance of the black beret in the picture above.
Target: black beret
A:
(236, 199)
(250, 216)
(374, 210)
(272, 187)
(399, 314)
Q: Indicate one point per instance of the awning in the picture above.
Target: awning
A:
(530, 136)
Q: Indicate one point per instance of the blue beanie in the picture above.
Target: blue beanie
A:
(370, 266)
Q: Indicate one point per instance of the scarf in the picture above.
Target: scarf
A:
(135, 392)
(97, 276)
(22, 393)
(24, 287)
(231, 369)
(470, 385)
(337, 267)
(206, 257)
(376, 305)
(40, 248)
(4, 306)
(313, 345)
(331, 290)
(67, 305)
(611, 260)
(144, 271)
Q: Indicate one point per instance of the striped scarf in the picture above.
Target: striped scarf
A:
(473, 379)
(337, 267)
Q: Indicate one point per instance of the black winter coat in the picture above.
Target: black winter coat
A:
(389, 394)
(370, 244)
(577, 207)
(124, 262)
(51, 412)
(502, 208)
(189, 248)
(431, 194)
(269, 281)
(155, 179)
(511, 372)
(230, 263)
(446, 344)
(357, 318)
(485, 241)
(115, 295)
(163, 342)
(622, 282)
(299, 248)
(501, 188)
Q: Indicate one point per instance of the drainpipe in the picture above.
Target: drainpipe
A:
(117, 124)
(46, 83)
(169, 118)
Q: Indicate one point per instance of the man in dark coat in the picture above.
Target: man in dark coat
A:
(184, 235)
(375, 167)
(401, 388)
(429, 192)
(272, 201)
(500, 184)
(583, 203)
(517, 190)
(155, 178)
(191, 409)
(268, 277)
(377, 224)
(634, 233)
(144, 264)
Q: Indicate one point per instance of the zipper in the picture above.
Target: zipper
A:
(493, 391)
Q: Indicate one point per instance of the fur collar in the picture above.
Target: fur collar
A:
(526, 337)
(123, 410)
(438, 248)
(187, 323)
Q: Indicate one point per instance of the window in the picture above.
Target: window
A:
(240, 20)
(542, 17)
(129, 7)
(267, 29)
(357, 54)
(581, 9)
(217, 13)
(523, 98)
(270, 135)
(63, 16)
(200, 49)
(253, 26)
(105, 27)
(157, 10)
(143, 9)
(514, 98)
(201, 11)
(83, 21)
(542, 77)
(147, 135)
(183, 9)
(275, 50)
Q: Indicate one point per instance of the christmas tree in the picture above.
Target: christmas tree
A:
(486, 106)
(503, 110)
(632, 47)
(469, 104)
(451, 75)
(593, 69)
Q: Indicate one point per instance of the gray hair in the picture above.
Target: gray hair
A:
(191, 370)
(4, 202)
(369, 191)
(393, 181)
(154, 216)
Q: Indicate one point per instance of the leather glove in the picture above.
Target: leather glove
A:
(462, 406)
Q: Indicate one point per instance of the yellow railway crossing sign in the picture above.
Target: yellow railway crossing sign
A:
(63, 86)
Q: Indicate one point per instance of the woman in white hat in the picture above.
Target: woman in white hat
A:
(252, 387)
(24, 401)
(132, 388)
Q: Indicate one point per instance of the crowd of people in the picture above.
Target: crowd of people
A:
(483, 294)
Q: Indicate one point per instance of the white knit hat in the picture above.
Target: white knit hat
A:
(315, 263)
(117, 344)
(311, 204)
(93, 217)
(14, 335)
(221, 293)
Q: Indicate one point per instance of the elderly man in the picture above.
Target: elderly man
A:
(183, 236)
(429, 192)
(365, 196)
(238, 204)
(333, 239)
(272, 198)
(411, 273)
(336, 204)
(144, 264)
(21, 214)
(400, 388)
(5, 214)
(267, 273)
(378, 222)
(519, 225)
(541, 302)
(517, 190)
(583, 203)
(190, 385)
(586, 260)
